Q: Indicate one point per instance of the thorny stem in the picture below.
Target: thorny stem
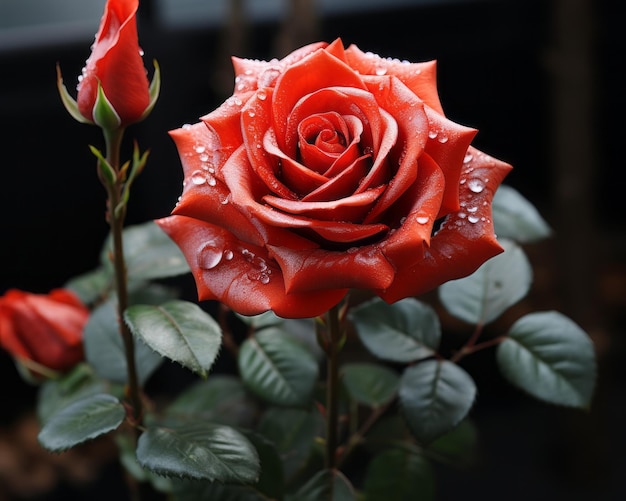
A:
(116, 223)
(332, 384)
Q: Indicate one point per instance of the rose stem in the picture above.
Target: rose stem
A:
(332, 385)
(116, 218)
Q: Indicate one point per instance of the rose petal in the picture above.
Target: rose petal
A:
(410, 119)
(351, 208)
(319, 70)
(249, 73)
(224, 125)
(417, 211)
(447, 144)
(465, 241)
(299, 178)
(255, 124)
(343, 184)
(421, 78)
(242, 276)
(205, 197)
(314, 269)
(342, 100)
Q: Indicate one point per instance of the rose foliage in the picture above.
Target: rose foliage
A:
(329, 170)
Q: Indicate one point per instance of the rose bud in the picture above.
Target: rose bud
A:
(43, 332)
(328, 170)
(113, 90)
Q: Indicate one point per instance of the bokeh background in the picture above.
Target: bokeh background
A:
(540, 79)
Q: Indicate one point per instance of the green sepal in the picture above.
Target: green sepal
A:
(107, 172)
(104, 114)
(138, 163)
(69, 102)
(155, 89)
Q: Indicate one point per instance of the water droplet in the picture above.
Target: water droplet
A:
(473, 219)
(204, 157)
(228, 254)
(443, 139)
(472, 209)
(432, 134)
(200, 149)
(381, 70)
(251, 113)
(211, 181)
(198, 178)
(264, 278)
(269, 76)
(209, 257)
(476, 185)
(238, 101)
(468, 158)
(262, 95)
(422, 219)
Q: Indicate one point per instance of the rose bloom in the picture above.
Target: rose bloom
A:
(116, 64)
(328, 170)
(46, 329)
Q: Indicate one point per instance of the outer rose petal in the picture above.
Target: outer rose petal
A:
(419, 77)
(241, 275)
(465, 241)
(206, 197)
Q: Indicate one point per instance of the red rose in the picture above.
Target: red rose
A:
(116, 64)
(43, 328)
(329, 170)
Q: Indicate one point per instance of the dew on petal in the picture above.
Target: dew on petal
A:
(473, 219)
(228, 254)
(209, 257)
(381, 70)
(422, 219)
(476, 185)
(198, 178)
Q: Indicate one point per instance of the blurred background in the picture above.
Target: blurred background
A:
(540, 79)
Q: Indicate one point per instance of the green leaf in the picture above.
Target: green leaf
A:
(278, 368)
(178, 330)
(149, 253)
(514, 217)
(293, 432)
(91, 286)
(271, 482)
(56, 394)
(549, 356)
(370, 384)
(104, 347)
(458, 447)
(435, 395)
(493, 288)
(82, 420)
(221, 398)
(327, 485)
(200, 451)
(399, 475)
(405, 331)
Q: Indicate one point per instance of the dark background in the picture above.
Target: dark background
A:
(540, 79)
